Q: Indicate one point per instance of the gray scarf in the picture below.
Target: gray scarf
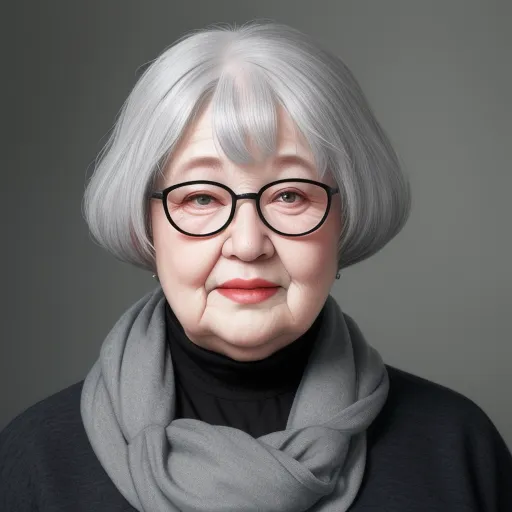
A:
(162, 464)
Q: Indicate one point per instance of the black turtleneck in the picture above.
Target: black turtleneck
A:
(254, 396)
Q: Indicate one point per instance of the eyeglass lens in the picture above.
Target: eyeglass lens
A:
(291, 207)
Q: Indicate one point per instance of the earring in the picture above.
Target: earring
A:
(155, 277)
(338, 275)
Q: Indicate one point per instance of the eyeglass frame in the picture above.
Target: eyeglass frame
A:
(162, 194)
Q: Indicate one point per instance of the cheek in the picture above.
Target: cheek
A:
(310, 262)
(181, 260)
(311, 266)
(313, 259)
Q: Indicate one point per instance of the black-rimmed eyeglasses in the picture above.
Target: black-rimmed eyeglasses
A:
(289, 207)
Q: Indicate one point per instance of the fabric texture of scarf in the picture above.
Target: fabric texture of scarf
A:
(162, 464)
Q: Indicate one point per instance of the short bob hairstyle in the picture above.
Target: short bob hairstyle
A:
(279, 67)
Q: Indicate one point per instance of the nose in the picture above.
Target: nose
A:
(247, 236)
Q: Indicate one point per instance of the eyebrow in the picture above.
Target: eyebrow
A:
(215, 163)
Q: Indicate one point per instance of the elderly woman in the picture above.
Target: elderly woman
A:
(245, 171)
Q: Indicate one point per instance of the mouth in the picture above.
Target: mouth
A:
(249, 295)
(248, 284)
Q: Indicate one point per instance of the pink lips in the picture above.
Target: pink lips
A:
(249, 291)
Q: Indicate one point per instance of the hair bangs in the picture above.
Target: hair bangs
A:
(244, 115)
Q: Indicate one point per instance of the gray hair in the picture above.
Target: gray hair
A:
(246, 73)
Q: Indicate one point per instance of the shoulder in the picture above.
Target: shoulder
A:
(39, 430)
(424, 398)
(406, 387)
(36, 442)
(449, 432)
(430, 404)
(440, 421)
(429, 436)
(46, 417)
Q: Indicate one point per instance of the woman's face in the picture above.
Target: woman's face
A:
(191, 269)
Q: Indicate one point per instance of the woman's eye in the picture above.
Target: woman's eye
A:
(201, 199)
(289, 196)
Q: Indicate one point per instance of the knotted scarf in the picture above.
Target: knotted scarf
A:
(162, 464)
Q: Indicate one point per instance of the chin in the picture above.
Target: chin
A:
(248, 352)
(252, 345)
(245, 339)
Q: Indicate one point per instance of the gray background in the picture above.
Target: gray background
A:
(434, 302)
